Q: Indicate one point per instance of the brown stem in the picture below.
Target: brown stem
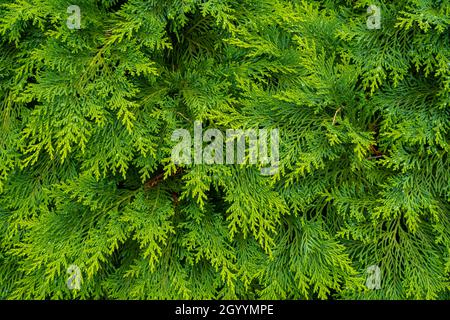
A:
(157, 179)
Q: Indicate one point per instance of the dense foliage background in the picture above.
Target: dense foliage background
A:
(86, 176)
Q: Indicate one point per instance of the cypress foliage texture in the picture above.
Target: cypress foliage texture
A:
(358, 90)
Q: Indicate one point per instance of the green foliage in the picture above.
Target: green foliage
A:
(86, 176)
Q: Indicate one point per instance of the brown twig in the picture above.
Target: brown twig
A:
(153, 181)
(376, 153)
(157, 179)
(335, 115)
